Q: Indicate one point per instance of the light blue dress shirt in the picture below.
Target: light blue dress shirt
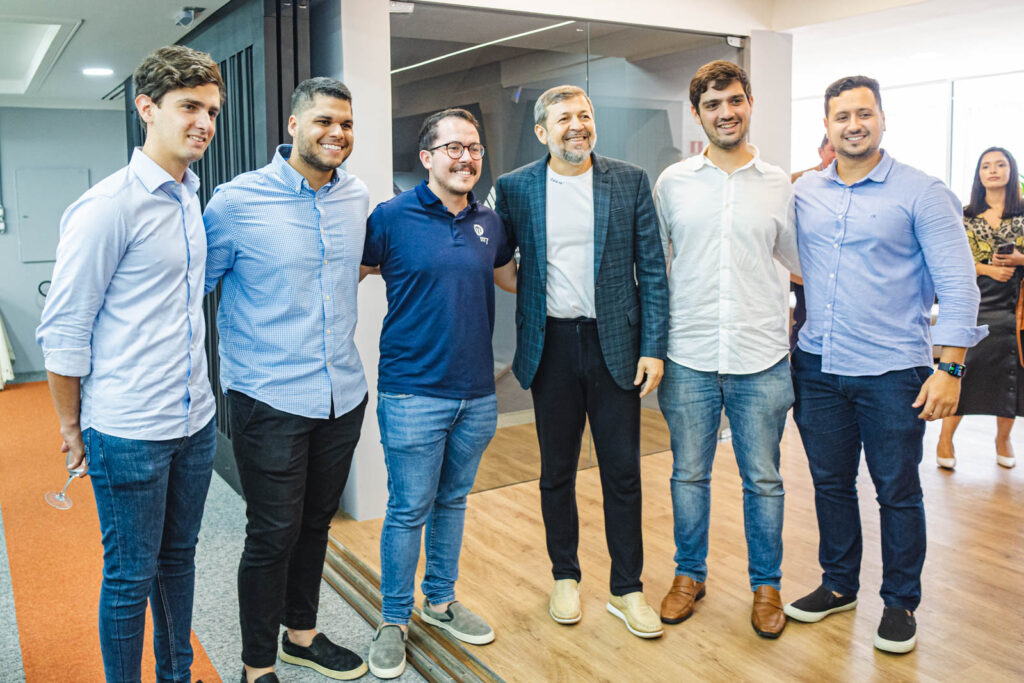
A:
(125, 307)
(290, 258)
(874, 255)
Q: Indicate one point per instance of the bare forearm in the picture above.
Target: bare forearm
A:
(67, 399)
(505, 276)
(952, 354)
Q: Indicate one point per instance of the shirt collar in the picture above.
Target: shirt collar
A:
(428, 198)
(701, 160)
(292, 178)
(154, 177)
(877, 175)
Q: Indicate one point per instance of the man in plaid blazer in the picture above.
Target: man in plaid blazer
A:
(591, 320)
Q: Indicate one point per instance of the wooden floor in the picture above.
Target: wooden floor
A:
(513, 455)
(970, 623)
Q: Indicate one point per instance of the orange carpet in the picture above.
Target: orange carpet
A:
(55, 556)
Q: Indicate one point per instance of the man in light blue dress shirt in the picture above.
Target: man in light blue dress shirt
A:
(878, 241)
(122, 337)
(287, 239)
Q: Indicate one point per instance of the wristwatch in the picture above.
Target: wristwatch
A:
(955, 369)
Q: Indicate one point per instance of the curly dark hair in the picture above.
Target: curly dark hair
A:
(173, 67)
(718, 75)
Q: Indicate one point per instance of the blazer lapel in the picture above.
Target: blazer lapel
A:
(602, 207)
(539, 217)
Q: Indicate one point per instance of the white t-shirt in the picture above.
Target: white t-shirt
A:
(570, 245)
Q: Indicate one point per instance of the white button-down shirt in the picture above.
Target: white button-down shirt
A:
(125, 308)
(728, 304)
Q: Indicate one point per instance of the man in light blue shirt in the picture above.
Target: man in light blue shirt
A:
(122, 337)
(287, 239)
(878, 241)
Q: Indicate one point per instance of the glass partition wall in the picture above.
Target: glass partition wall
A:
(496, 65)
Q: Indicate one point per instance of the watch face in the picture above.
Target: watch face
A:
(955, 369)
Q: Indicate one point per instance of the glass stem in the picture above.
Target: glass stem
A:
(66, 485)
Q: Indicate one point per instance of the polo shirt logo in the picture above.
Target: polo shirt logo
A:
(479, 230)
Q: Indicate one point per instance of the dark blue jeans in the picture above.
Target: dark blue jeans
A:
(150, 497)
(837, 415)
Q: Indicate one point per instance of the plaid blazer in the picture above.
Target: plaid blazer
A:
(630, 283)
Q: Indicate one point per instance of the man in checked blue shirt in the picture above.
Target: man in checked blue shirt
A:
(287, 240)
(122, 336)
(878, 240)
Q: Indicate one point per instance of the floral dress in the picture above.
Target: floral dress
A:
(994, 381)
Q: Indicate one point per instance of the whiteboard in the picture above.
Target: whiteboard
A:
(43, 194)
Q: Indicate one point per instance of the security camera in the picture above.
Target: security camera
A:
(187, 16)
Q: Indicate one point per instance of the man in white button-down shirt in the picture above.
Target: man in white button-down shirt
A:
(726, 214)
(122, 337)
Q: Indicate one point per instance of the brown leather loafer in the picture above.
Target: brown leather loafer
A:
(767, 617)
(678, 604)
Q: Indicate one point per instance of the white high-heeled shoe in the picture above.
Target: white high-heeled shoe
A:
(1007, 461)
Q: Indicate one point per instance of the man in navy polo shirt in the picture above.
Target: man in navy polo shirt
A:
(439, 252)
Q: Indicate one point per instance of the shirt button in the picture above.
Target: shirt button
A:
(327, 297)
(828, 305)
(839, 216)
(831, 275)
(328, 331)
(835, 245)
(325, 262)
(329, 363)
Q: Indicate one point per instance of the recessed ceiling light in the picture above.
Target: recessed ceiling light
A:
(98, 72)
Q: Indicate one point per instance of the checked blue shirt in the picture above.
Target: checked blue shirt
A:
(290, 258)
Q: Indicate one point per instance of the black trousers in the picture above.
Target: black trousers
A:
(293, 470)
(572, 384)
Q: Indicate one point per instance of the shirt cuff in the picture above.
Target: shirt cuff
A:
(68, 362)
(958, 335)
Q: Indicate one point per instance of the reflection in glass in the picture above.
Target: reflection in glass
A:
(496, 65)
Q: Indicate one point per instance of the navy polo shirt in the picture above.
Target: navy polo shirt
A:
(439, 272)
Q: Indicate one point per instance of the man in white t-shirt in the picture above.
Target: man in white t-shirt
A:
(591, 320)
(726, 214)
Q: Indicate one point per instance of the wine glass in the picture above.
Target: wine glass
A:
(60, 499)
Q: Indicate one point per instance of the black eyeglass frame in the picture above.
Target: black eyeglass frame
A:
(461, 148)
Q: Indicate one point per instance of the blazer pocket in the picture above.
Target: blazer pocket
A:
(633, 316)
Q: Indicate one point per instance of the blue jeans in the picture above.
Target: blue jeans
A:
(150, 497)
(837, 415)
(432, 447)
(756, 405)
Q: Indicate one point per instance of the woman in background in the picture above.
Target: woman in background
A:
(994, 381)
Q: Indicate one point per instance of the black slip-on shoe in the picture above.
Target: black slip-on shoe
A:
(324, 657)
(897, 632)
(265, 678)
(819, 604)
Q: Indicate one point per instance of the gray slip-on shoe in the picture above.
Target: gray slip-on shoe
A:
(387, 652)
(460, 622)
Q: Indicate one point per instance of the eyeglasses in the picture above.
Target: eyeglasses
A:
(455, 149)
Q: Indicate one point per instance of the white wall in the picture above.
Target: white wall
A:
(45, 138)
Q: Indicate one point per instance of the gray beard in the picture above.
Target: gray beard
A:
(575, 158)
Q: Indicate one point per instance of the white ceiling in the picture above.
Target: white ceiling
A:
(115, 34)
(931, 41)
